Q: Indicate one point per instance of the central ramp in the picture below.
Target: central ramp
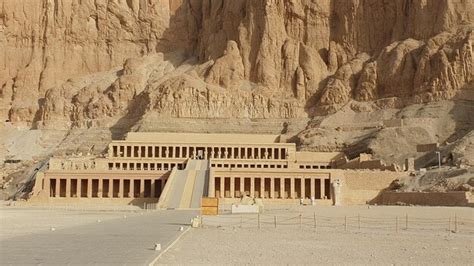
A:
(185, 188)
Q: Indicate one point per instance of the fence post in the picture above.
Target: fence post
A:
(345, 223)
(358, 220)
(258, 218)
(455, 222)
(449, 224)
(396, 224)
(301, 221)
(275, 219)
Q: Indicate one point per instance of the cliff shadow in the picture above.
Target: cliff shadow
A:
(462, 113)
(135, 111)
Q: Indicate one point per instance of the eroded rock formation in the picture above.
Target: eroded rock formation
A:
(89, 63)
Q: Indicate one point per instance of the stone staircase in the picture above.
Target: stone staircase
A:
(185, 188)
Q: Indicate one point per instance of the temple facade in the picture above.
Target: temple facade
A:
(177, 169)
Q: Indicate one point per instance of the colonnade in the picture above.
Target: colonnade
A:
(270, 187)
(105, 187)
(145, 166)
(202, 152)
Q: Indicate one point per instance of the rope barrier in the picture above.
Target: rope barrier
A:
(346, 223)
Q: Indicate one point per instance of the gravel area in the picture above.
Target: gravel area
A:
(228, 243)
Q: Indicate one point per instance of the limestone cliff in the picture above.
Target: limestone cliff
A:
(87, 63)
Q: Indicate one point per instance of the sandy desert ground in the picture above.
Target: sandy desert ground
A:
(426, 242)
(20, 220)
(337, 238)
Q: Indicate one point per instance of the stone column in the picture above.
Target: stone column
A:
(110, 193)
(313, 193)
(222, 187)
(323, 188)
(159, 152)
(262, 187)
(121, 190)
(302, 188)
(242, 186)
(232, 187)
(337, 184)
(153, 151)
(131, 192)
(89, 188)
(292, 188)
(68, 188)
(100, 189)
(152, 188)
(272, 187)
(57, 188)
(282, 187)
(142, 188)
(252, 187)
(78, 188)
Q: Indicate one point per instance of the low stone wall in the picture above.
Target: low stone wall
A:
(455, 198)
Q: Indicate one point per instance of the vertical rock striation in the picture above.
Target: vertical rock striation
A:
(83, 61)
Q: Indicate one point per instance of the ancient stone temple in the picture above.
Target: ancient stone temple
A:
(176, 170)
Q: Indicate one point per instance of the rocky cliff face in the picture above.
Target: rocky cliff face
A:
(87, 63)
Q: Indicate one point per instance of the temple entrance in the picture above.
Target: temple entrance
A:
(200, 154)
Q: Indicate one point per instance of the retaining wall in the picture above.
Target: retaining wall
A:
(455, 198)
(360, 187)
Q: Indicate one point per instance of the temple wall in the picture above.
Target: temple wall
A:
(360, 187)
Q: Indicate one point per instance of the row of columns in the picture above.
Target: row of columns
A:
(192, 152)
(100, 191)
(272, 186)
(145, 166)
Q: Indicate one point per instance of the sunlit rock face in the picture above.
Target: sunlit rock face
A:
(90, 63)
